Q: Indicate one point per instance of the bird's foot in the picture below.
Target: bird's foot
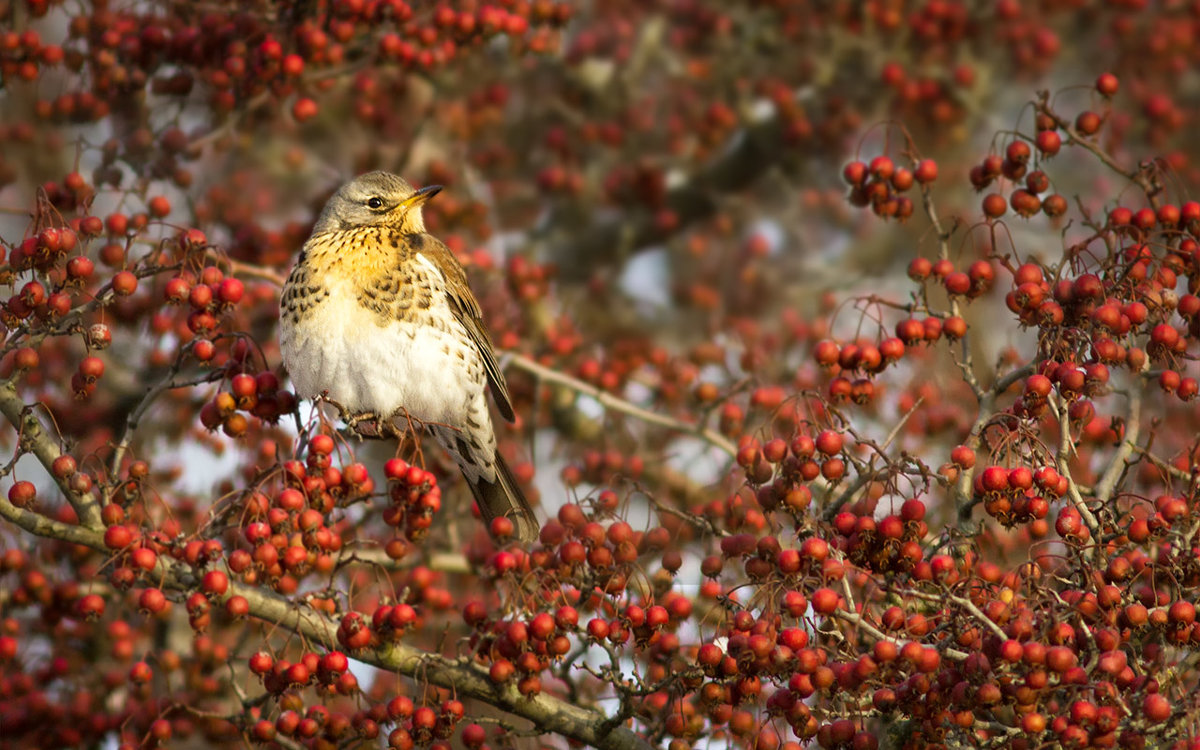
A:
(354, 420)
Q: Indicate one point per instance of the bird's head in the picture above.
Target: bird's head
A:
(376, 198)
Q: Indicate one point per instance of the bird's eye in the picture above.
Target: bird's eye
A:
(375, 202)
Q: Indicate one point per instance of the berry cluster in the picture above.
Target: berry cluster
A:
(881, 185)
(416, 499)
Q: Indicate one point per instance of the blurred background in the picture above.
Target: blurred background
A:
(656, 203)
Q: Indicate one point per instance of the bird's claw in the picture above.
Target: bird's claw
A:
(353, 420)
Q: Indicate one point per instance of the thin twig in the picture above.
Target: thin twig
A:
(131, 422)
(616, 403)
(1140, 177)
(1120, 461)
(1062, 459)
(247, 270)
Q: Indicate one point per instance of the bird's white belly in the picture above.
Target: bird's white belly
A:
(340, 348)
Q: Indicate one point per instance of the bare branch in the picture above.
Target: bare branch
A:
(1120, 461)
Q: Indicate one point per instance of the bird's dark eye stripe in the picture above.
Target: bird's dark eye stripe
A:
(375, 202)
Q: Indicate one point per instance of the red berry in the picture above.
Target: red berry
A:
(159, 206)
(882, 168)
(1156, 707)
(1107, 84)
(926, 171)
(919, 269)
(304, 109)
(91, 368)
(855, 173)
(117, 223)
(323, 445)
(501, 528)
(91, 226)
(829, 442)
(1049, 142)
(118, 537)
(143, 558)
(912, 510)
(501, 671)
(230, 291)
(80, 267)
(152, 601)
(824, 601)
(963, 457)
(90, 607)
(474, 736)
(22, 493)
(261, 663)
(215, 583)
(994, 205)
(124, 283)
(334, 662)
(293, 65)
(1018, 152)
(140, 673)
(63, 467)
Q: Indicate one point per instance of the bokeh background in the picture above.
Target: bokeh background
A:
(653, 203)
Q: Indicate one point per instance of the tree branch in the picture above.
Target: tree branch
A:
(466, 678)
(39, 525)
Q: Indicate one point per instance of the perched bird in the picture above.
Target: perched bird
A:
(377, 317)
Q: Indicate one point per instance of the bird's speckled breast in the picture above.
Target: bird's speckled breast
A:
(373, 328)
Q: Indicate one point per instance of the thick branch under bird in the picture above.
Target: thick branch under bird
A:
(377, 316)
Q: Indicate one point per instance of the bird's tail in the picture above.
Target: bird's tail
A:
(503, 497)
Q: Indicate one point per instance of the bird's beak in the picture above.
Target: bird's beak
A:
(420, 196)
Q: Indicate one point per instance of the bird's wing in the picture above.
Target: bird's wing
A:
(466, 309)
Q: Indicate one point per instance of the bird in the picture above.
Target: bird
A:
(377, 317)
